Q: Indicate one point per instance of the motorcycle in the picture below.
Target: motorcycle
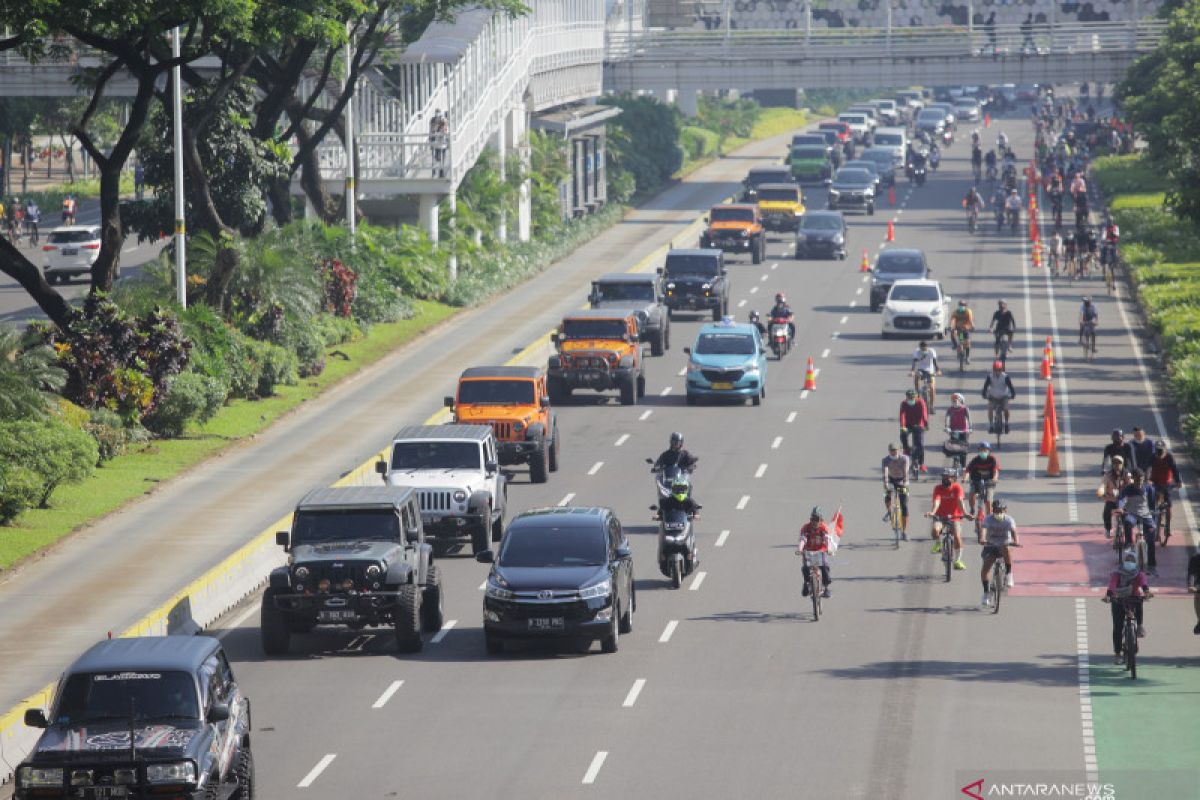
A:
(916, 174)
(781, 337)
(678, 555)
(666, 477)
(947, 137)
(935, 158)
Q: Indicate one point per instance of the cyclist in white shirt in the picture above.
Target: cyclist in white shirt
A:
(925, 361)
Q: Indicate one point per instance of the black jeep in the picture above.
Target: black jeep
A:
(695, 280)
(155, 716)
(638, 291)
(357, 557)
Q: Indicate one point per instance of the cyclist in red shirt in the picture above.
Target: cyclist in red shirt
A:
(948, 504)
(815, 537)
(914, 420)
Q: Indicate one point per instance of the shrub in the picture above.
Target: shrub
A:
(276, 366)
(191, 397)
(697, 142)
(72, 415)
(52, 450)
(340, 283)
(377, 300)
(335, 330)
(306, 342)
(111, 436)
(20, 488)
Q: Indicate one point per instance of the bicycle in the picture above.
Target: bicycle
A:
(1131, 540)
(996, 410)
(962, 345)
(1162, 514)
(946, 536)
(1088, 338)
(895, 517)
(1110, 260)
(983, 497)
(1002, 346)
(916, 452)
(972, 220)
(816, 585)
(925, 388)
(1129, 638)
(997, 582)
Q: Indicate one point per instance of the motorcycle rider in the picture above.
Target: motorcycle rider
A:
(989, 159)
(814, 536)
(680, 498)
(781, 310)
(756, 321)
(675, 455)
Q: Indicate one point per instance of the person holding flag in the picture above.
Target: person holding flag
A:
(816, 537)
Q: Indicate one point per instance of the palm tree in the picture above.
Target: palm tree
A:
(29, 377)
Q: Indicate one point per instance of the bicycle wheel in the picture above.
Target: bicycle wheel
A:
(896, 521)
(997, 587)
(1130, 646)
(1109, 278)
(948, 555)
(962, 357)
(1139, 547)
(815, 587)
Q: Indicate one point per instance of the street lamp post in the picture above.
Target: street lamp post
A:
(180, 227)
(350, 200)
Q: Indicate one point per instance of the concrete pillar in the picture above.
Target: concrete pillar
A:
(524, 211)
(428, 215)
(452, 261)
(665, 96)
(500, 142)
(310, 211)
(689, 102)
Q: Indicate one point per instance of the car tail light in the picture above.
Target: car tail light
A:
(91, 246)
(46, 248)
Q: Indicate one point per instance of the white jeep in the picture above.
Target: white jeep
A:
(456, 472)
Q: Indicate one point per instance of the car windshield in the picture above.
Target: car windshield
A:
(501, 392)
(965, 104)
(832, 126)
(771, 176)
(861, 164)
(817, 151)
(593, 329)
(854, 119)
(902, 264)
(553, 546)
(619, 290)
(73, 237)
(94, 696)
(820, 223)
(878, 157)
(889, 139)
(436, 455)
(923, 292)
(853, 176)
(728, 214)
(931, 115)
(808, 139)
(345, 525)
(724, 344)
(779, 195)
(691, 265)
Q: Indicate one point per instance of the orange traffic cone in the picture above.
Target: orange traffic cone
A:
(987, 120)
(1034, 234)
(1046, 375)
(1037, 255)
(1049, 412)
(892, 195)
(891, 234)
(1053, 469)
(810, 376)
(865, 266)
(1047, 438)
(1049, 351)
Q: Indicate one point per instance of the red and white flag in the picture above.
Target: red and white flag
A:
(839, 523)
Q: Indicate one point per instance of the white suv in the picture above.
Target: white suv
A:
(916, 308)
(455, 470)
(71, 251)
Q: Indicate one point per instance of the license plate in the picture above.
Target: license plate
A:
(545, 623)
(106, 792)
(336, 616)
(73, 251)
(722, 385)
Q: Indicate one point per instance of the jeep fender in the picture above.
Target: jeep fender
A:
(400, 573)
(535, 431)
(555, 361)
(281, 578)
(479, 502)
(627, 362)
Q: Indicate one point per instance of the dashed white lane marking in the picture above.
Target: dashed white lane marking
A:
(634, 691)
(753, 289)
(645, 415)
(763, 278)
(882, 245)
(1085, 690)
(699, 579)
(762, 470)
(741, 303)
(316, 771)
(387, 694)
(483, 586)
(834, 335)
(898, 213)
(447, 626)
(665, 392)
(859, 290)
(624, 438)
(667, 631)
(721, 539)
(845, 318)
(791, 417)
(853, 303)
(774, 266)
(825, 353)
(237, 621)
(803, 394)
(816, 372)
(682, 372)
(593, 770)
(866, 278)
(568, 498)
(595, 468)
(777, 441)
(741, 504)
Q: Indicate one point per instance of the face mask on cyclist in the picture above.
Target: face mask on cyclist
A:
(1129, 566)
(947, 480)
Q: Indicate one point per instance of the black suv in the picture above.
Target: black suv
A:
(695, 280)
(155, 716)
(562, 573)
(640, 292)
(357, 557)
(892, 266)
(760, 175)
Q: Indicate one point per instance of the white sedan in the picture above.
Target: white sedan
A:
(71, 250)
(916, 307)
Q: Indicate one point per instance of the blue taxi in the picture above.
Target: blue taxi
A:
(727, 360)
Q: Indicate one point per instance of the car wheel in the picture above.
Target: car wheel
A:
(666, 336)
(658, 342)
(757, 249)
(871, 210)
(273, 626)
(716, 314)
(493, 644)
(610, 643)
(885, 335)
(554, 447)
(691, 399)
(245, 776)
(757, 399)
(433, 612)
(626, 620)
(497, 529)
(479, 536)
(628, 389)
(407, 620)
(641, 386)
(539, 463)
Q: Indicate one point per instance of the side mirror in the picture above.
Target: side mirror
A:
(649, 460)
(381, 466)
(556, 337)
(218, 713)
(623, 551)
(412, 537)
(485, 557)
(687, 350)
(448, 402)
(544, 401)
(654, 508)
(36, 718)
(491, 466)
(658, 270)
(706, 220)
(724, 271)
(283, 539)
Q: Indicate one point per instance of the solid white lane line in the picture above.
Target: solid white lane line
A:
(753, 289)
(624, 438)
(645, 415)
(741, 504)
(634, 691)
(777, 441)
(667, 631)
(316, 771)
(593, 770)
(825, 353)
(762, 470)
(665, 392)
(595, 468)
(721, 539)
(853, 303)
(237, 621)
(803, 394)
(844, 320)
(698, 580)
(741, 303)
(447, 626)
(791, 417)
(1085, 691)
(568, 498)
(387, 694)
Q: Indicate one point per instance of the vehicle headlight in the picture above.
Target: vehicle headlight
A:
(935, 312)
(301, 573)
(744, 232)
(670, 285)
(839, 239)
(751, 367)
(706, 286)
(602, 589)
(459, 496)
(82, 777)
(373, 572)
(171, 772)
(496, 591)
(38, 776)
(693, 366)
(834, 192)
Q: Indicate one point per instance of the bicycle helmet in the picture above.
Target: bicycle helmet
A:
(893, 448)
(1118, 460)
(676, 440)
(998, 366)
(754, 316)
(816, 513)
(1160, 446)
(950, 472)
(910, 394)
(1087, 300)
(999, 506)
(957, 396)
(985, 446)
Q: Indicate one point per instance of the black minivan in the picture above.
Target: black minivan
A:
(562, 573)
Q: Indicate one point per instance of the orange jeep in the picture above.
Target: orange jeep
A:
(597, 349)
(514, 401)
(736, 228)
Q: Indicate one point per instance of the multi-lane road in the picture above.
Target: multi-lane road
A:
(726, 688)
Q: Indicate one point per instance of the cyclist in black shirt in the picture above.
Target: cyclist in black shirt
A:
(1003, 325)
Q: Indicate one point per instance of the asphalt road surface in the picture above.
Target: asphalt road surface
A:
(726, 687)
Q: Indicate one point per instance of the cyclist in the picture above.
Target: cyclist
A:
(948, 503)
(973, 202)
(756, 321)
(33, 215)
(1089, 315)
(925, 362)
(1000, 534)
(815, 537)
(914, 419)
(781, 310)
(1163, 475)
(1003, 324)
(1141, 447)
(962, 322)
(976, 142)
(1091, 242)
(1193, 584)
(1055, 192)
(1002, 142)
(976, 160)
(1129, 583)
(1012, 207)
(896, 466)
(958, 424)
(998, 201)
(981, 470)
(1118, 447)
(1071, 252)
(998, 390)
(989, 159)
(68, 210)
(1055, 251)
(1134, 505)
(1111, 486)
(1110, 238)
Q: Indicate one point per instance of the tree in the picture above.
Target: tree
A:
(28, 377)
(1161, 97)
